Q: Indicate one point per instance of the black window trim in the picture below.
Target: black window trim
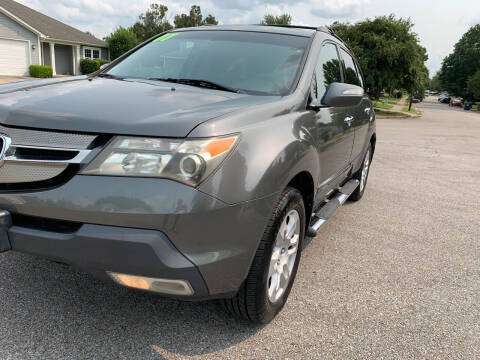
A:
(334, 43)
(355, 63)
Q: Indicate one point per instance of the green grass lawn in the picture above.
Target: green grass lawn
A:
(388, 100)
(379, 105)
(412, 110)
(389, 114)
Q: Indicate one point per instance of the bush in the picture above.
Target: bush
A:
(120, 41)
(88, 66)
(41, 71)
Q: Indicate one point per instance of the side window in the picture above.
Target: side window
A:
(362, 81)
(328, 68)
(351, 76)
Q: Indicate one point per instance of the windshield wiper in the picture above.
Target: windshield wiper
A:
(109, 76)
(199, 83)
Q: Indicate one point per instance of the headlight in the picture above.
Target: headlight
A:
(187, 161)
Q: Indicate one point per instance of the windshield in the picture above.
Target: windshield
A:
(251, 62)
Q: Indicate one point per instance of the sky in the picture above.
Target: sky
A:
(438, 23)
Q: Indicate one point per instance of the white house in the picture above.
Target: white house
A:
(28, 37)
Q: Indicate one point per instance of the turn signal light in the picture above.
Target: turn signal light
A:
(164, 286)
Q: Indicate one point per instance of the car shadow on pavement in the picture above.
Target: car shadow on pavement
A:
(49, 310)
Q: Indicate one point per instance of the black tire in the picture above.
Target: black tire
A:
(359, 191)
(252, 301)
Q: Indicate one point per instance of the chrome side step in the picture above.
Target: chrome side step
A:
(324, 213)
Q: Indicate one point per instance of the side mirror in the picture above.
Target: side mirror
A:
(340, 95)
(104, 66)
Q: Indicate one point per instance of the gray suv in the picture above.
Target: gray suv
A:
(193, 166)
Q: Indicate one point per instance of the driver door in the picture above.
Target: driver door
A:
(334, 135)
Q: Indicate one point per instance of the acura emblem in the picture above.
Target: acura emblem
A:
(5, 142)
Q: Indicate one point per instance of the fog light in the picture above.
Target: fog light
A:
(164, 286)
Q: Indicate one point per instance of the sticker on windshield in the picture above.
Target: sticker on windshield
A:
(165, 37)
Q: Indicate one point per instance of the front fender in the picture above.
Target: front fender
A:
(270, 153)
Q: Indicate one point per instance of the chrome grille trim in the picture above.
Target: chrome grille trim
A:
(78, 156)
(47, 138)
(35, 156)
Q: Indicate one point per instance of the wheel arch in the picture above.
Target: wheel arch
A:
(373, 142)
(303, 182)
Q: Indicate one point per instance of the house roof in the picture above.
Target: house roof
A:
(48, 27)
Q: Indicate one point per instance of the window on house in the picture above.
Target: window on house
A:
(91, 53)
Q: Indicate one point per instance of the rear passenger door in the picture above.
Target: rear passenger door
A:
(361, 113)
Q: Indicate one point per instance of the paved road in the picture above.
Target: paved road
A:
(396, 276)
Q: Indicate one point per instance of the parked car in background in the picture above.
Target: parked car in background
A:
(456, 102)
(444, 99)
(195, 165)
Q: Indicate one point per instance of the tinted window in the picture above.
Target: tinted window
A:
(259, 63)
(351, 76)
(362, 82)
(328, 68)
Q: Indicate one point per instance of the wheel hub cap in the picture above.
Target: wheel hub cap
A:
(283, 256)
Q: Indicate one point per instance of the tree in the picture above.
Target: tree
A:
(435, 83)
(473, 84)
(389, 53)
(460, 65)
(153, 22)
(193, 18)
(270, 19)
(120, 41)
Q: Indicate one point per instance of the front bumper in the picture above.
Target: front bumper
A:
(149, 227)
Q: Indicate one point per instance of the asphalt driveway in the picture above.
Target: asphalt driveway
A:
(395, 276)
(11, 79)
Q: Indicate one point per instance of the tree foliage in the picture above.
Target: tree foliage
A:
(389, 53)
(193, 18)
(435, 83)
(153, 22)
(473, 84)
(462, 64)
(120, 41)
(270, 19)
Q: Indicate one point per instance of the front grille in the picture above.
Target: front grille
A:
(48, 138)
(29, 172)
(39, 158)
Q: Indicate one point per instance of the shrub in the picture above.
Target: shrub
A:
(120, 41)
(41, 71)
(88, 66)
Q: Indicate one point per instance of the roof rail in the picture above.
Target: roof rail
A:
(318, 28)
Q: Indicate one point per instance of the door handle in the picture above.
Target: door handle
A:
(348, 120)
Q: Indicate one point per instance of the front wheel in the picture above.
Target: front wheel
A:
(271, 276)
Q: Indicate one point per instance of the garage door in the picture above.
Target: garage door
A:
(14, 57)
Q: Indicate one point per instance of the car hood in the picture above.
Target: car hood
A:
(129, 107)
